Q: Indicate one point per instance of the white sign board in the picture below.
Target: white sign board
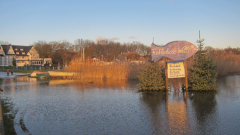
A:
(175, 69)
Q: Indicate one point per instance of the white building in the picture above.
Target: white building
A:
(22, 55)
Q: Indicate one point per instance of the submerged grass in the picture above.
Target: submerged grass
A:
(23, 127)
(8, 117)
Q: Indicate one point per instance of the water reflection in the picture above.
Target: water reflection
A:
(177, 116)
(229, 85)
(116, 107)
(205, 110)
(168, 112)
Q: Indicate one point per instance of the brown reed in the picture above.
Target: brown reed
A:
(104, 70)
(227, 62)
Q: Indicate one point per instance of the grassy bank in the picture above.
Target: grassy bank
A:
(24, 71)
(27, 69)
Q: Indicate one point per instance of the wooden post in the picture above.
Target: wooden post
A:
(186, 74)
(166, 73)
(81, 51)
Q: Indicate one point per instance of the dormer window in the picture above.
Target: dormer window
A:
(21, 49)
(17, 52)
(23, 52)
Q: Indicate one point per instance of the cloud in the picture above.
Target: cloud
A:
(115, 38)
(132, 37)
(101, 38)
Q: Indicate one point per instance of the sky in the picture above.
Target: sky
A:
(23, 22)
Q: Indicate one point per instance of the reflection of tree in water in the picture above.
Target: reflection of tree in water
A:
(204, 105)
(229, 84)
(1, 80)
(153, 101)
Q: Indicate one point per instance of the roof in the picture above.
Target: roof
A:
(175, 61)
(5, 48)
(21, 49)
(17, 48)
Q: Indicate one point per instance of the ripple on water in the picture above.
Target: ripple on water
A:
(109, 108)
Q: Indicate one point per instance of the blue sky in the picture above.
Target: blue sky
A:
(23, 22)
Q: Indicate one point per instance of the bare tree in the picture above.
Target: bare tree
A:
(4, 42)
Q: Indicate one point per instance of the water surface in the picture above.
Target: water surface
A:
(116, 107)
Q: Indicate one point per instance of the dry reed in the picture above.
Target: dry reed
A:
(104, 70)
(227, 62)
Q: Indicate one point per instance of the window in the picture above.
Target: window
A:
(21, 49)
(16, 49)
(23, 52)
(17, 52)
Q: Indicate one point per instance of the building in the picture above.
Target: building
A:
(11, 55)
(64, 57)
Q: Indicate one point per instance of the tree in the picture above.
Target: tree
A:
(43, 48)
(14, 62)
(151, 78)
(204, 73)
(4, 42)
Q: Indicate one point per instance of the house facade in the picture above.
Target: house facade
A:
(20, 56)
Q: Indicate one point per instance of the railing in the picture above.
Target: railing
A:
(28, 59)
(4, 68)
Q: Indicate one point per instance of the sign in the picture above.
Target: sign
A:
(176, 50)
(176, 69)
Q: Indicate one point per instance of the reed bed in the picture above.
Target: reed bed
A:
(105, 70)
(227, 62)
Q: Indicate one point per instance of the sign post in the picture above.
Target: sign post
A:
(186, 75)
(178, 51)
(166, 73)
(176, 69)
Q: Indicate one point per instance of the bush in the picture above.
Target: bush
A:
(151, 78)
(203, 73)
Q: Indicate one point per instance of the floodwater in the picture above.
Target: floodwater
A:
(116, 107)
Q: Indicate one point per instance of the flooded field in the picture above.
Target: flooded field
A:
(116, 107)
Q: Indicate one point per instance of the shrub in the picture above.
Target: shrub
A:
(151, 78)
(203, 73)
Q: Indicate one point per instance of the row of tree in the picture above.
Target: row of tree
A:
(106, 50)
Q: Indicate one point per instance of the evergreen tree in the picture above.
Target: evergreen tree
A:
(204, 73)
(14, 62)
(151, 78)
